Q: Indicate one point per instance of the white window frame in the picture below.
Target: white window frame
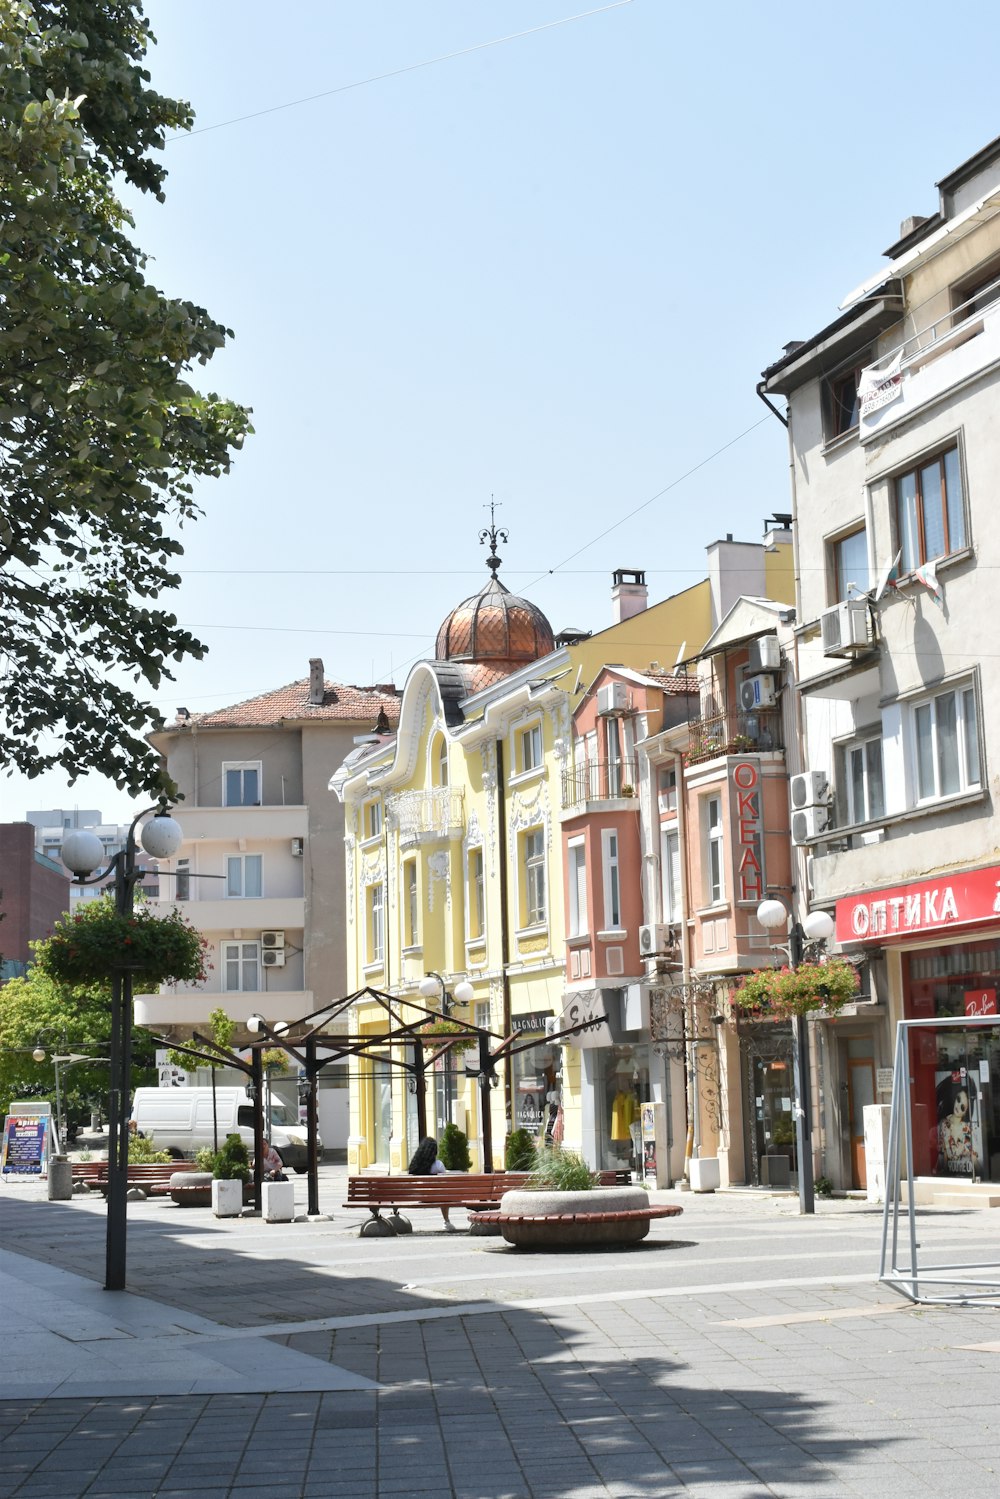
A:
(963, 739)
(670, 872)
(182, 881)
(476, 879)
(373, 819)
(230, 767)
(666, 788)
(576, 878)
(611, 876)
(242, 861)
(715, 849)
(527, 749)
(411, 904)
(375, 924)
(243, 954)
(870, 807)
(534, 873)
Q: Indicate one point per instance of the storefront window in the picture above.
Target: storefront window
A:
(622, 1087)
(381, 1108)
(955, 1070)
(537, 1082)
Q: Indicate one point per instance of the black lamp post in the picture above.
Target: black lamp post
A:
(812, 932)
(82, 852)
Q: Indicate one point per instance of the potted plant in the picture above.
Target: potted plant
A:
(779, 993)
(453, 1149)
(519, 1151)
(563, 1203)
(97, 940)
(230, 1173)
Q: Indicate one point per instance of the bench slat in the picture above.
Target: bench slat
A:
(473, 1190)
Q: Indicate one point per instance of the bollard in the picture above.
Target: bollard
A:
(60, 1178)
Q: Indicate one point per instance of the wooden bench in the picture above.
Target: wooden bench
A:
(153, 1177)
(477, 1191)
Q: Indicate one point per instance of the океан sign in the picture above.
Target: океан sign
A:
(953, 900)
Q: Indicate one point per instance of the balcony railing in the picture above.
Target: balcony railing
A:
(437, 811)
(736, 733)
(599, 781)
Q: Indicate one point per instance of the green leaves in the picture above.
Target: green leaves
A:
(101, 433)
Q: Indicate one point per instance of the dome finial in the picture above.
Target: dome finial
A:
(493, 534)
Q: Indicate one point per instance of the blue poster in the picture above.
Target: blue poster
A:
(24, 1141)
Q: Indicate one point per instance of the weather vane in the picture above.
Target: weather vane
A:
(493, 534)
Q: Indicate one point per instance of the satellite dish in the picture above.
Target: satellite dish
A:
(885, 577)
(680, 654)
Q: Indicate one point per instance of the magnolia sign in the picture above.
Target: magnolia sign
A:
(925, 906)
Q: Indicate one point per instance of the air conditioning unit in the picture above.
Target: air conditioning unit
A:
(809, 823)
(846, 628)
(612, 698)
(298, 847)
(273, 957)
(810, 789)
(272, 939)
(655, 939)
(757, 692)
(765, 654)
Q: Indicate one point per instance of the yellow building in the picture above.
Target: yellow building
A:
(454, 857)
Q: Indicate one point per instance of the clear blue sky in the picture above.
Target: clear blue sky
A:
(550, 270)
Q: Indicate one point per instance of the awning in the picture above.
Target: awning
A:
(962, 224)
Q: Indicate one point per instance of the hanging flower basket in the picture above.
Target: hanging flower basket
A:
(779, 993)
(443, 1027)
(89, 947)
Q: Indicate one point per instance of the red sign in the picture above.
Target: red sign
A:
(980, 1001)
(962, 899)
(749, 838)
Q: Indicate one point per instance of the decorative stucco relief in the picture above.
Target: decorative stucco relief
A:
(438, 871)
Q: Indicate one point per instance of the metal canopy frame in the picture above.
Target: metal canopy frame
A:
(958, 1284)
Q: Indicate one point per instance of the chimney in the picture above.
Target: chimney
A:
(628, 593)
(317, 685)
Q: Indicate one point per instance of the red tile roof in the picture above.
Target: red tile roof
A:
(340, 702)
(673, 684)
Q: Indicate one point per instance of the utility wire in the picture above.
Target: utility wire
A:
(412, 67)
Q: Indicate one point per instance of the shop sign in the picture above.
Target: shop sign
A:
(586, 1007)
(532, 1022)
(745, 799)
(925, 906)
(980, 1001)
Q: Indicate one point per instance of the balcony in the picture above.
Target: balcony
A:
(226, 824)
(938, 359)
(735, 733)
(599, 781)
(423, 816)
(252, 914)
(188, 1011)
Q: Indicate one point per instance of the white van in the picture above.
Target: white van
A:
(180, 1120)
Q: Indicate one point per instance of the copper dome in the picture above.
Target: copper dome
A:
(495, 627)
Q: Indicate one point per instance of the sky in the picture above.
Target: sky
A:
(520, 250)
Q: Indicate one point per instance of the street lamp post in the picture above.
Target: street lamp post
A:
(82, 853)
(813, 931)
(434, 987)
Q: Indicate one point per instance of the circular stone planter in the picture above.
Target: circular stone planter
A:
(191, 1189)
(543, 1220)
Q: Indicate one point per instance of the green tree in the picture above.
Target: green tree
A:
(37, 1011)
(101, 434)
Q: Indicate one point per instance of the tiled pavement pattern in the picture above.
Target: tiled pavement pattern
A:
(745, 1353)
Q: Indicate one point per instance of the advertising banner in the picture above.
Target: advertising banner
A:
(24, 1146)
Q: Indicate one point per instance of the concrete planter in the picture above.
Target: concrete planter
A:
(278, 1202)
(705, 1174)
(227, 1198)
(191, 1189)
(584, 1227)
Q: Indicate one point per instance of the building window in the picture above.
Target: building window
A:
(945, 740)
(979, 291)
(241, 967)
(842, 399)
(850, 565)
(861, 780)
(442, 767)
(241, 783)
(182, 883)
(930, 511)
(529, 748)
(375, 900)
(670, 873)
(244, 876)
(373, 819)
(666, 787)
(612, 880)
(714, 883)
(477, 894)
(577, 879)
(534, 877)
(411, 935)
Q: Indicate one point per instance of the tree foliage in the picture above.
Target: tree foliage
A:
(37, 1012)
(101, 433)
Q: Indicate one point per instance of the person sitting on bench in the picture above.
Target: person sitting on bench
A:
(424, 1162)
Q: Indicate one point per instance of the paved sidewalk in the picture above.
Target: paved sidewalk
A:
(740, 1352)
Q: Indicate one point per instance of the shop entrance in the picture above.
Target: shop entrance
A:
(860, 1091)
(623, 1085)
(769, 1117)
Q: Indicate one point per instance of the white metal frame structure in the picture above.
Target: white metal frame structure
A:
(932, 1285)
